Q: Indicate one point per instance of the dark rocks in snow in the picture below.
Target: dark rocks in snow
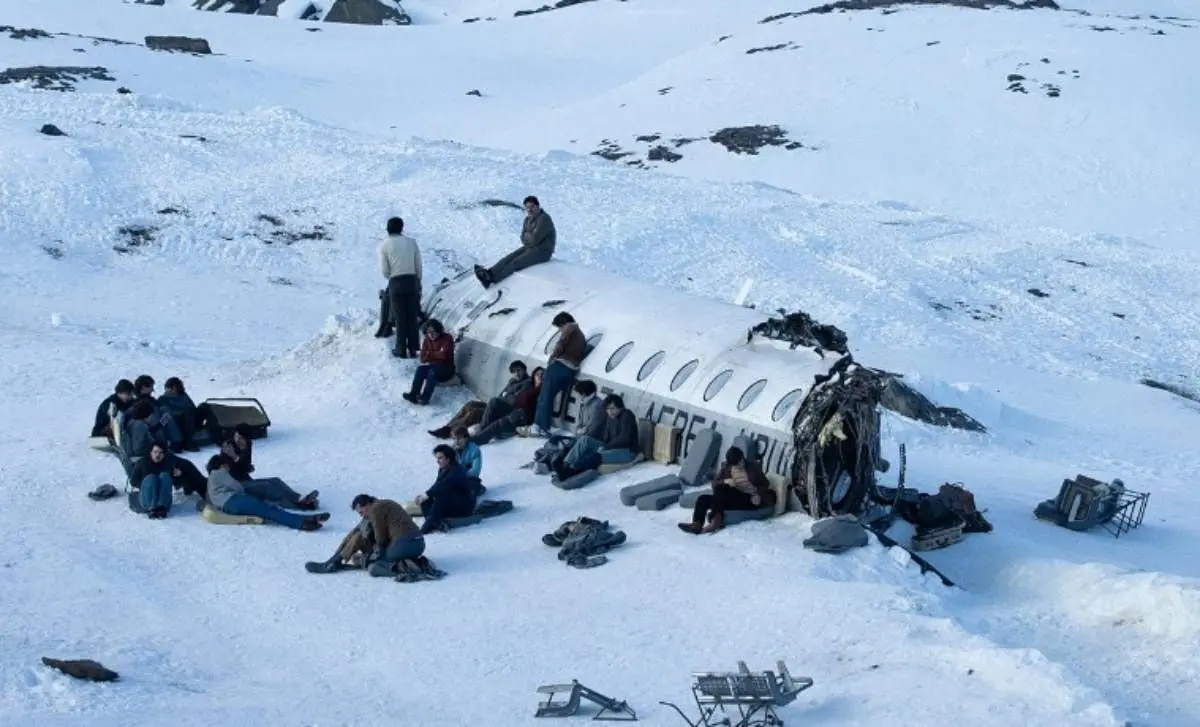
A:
(286, 282)
(178, 43)
(648, 138)
(196, 137)
(1175, 389)
(55, 78)
(24, 33)
(54, 251)
(1080, 263)
(51, 130)
(500, 203)
(892, 6)
(135, 236)
(270, 219)
(909, 403)
(122, 90)
(1038, 293)
(159, 3)
(990, 312)
(611, 151)
(547, 8)
(661, 153)
(767, 48)
(749, 139)
(1017, 83)
(172, 211)
(290, 237)
(82, 669)
(474, 92)
(367, 12)
(664, 91)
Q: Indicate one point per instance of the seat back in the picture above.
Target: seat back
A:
(699, 464)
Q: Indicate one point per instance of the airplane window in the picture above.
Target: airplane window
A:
(618, 356)
(789, 400)
(683, 373)
(651, 364)
(592, 341)
(718, 383)
(751, 393)
(550, 344)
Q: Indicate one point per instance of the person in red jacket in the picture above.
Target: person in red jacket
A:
(436, 363)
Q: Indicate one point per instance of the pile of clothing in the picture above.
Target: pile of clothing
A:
(583, 541)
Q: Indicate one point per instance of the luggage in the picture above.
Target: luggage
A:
(225, 414)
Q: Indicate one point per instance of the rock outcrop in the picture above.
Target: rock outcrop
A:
(362, 12)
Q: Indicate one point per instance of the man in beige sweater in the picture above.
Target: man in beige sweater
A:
(400, 264)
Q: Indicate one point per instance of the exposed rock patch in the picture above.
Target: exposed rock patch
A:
(1021, 83)
(749, 139)
(134, 237)
(768, 48)
(892, 6)
(24, 33)
(738, 140)
(178, 44)
(360, 12)
(547, 8)
(51, 130)
(54, 251)
(82, 669)
(55, 78)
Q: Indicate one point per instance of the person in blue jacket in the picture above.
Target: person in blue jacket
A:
(451, 494)
(471, 459)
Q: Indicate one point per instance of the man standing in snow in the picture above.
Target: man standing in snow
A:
(537, 246)
(400, 264)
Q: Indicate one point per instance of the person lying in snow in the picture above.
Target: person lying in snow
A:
(476, 412)
(437, 363)
(162, 424)
(538, 238)
(739, 485)
(470, 458)
(564, 365)
(119, 401)
(386, 534)
(237, 498)
(451, 494)
(618, 445)
(152, 476)
(503, 420)
(176, 402)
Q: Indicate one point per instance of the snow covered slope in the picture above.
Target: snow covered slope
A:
(246, 199)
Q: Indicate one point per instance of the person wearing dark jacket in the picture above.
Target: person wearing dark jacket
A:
(619, 442)
(740, 485)
(565, 360)
(451, 494)
(152, 477)
(511, 419)
(176, 402)
(136, 434)
(162, 424)
(240, 450)
(120, 400)
(538, 238)
(437, 363)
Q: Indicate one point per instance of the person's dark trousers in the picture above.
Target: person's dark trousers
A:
(404, 300)
(519, 259)
(190, 479)
(405, 548)
(558, 377)
(385, 316)
(723, 499)
(437, 509)
(426, 378)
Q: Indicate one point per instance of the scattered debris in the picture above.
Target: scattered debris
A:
(909, 403)
(647, 138)
(988, 313)
(122, 90)
(1080, 263)
(178, 43)
(24, 33)
(82, 669)
(665, 90)
(55, 78)
(611, 151)
(135, 236)
(289, 237)
(1037, 293)
(933, 42)
(891, 6)
(1017, 82)
(51, 130)
(1119, 315)
(53, 251)
(313, 30)
(194, 136)
(749, 139)
(799, 329)
(474, 92)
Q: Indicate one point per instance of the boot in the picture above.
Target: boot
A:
(310, 523)
(333, 565)
(409, 397)
(440, 432)
(309, 501)
(716, 521)
(693, 528)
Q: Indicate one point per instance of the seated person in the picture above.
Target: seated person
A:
(161, 422)
(176, 402)
(538, 239)
(502, 419)
(476, 412)
(152, 478)
(385, 534)
(740, 485)
(120, 400)
(450, 495)
(470, 458)
(232, 497)
(136, 433)
(240, 450)
(436, 363)
(618, 445)
(590, 424)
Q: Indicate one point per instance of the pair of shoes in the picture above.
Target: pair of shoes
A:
(157, 513)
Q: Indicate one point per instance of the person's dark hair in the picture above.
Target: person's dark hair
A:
(175, 384)
(585, 387)
(217, 461)
(361, 501)
(532, 199)
(614, 400)
(142, 409)
(539, 371)
(436, 325)
(395, 226)
(447, 451)
(734, 456)
(460, 432)
(517, 366)
(143, 381)
(124, 386)
(160, 445)
(562, 319)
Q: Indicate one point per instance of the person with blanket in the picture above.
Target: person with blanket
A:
(740, 485)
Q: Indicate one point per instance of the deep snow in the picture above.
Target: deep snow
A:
(210, 625)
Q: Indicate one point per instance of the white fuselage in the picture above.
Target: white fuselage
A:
(674, 358)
